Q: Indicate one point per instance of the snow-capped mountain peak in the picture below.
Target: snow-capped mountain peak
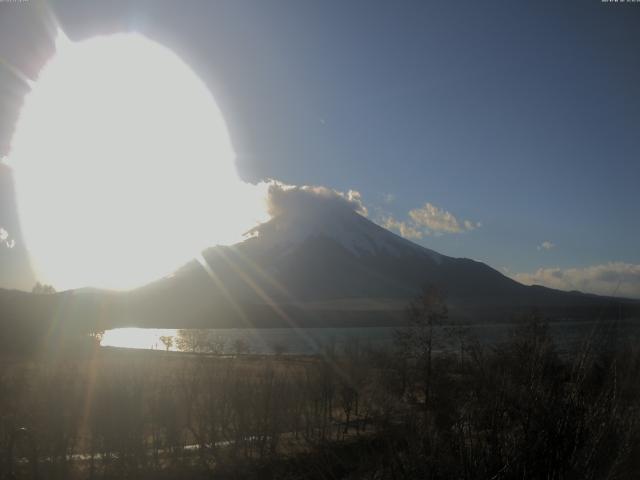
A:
(351, 230)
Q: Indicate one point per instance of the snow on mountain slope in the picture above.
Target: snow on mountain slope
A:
(348, 228)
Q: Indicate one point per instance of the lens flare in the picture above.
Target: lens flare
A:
(123, 165)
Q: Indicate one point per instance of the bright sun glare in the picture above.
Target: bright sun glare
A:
(123, 166)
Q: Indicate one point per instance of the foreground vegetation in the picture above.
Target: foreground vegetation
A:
(520, 409)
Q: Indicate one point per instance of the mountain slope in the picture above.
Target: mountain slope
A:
(320, 266)
(335, 267)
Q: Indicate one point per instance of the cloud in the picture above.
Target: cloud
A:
(438, 220)
(546, 245)
(613, 278)
(305, 199)
(388, 198)
(428, 220)
(404, 229)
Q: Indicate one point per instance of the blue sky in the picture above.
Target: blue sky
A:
(524, 116)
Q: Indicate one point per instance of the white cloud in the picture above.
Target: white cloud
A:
(469, 225)
(308, 200)
(613, 278)
(305, 199)
(428, 220)
(546, 245)
(403, 228)
(388, 198)
(438, 220)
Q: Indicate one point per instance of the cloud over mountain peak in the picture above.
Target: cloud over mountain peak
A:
(305, 200)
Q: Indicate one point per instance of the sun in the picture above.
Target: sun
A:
(123, 165)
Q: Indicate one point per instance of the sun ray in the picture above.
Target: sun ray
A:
(16, 72)
(300, 331)
(265, 275)
(218, 282)
(273, 305)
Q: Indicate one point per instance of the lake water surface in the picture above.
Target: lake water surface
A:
(312, 340)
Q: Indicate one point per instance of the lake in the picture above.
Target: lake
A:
(304, 341)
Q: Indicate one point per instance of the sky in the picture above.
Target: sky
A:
(503, 131)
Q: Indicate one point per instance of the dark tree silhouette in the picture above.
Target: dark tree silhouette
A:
(415, 341)
(43, 289)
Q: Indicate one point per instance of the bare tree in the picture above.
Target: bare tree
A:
(192, 340)
(415, 341)
(167, 341)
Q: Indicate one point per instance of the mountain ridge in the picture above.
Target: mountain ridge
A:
(332, 268)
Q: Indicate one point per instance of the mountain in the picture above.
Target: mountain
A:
(317, 266)
(332, 266)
